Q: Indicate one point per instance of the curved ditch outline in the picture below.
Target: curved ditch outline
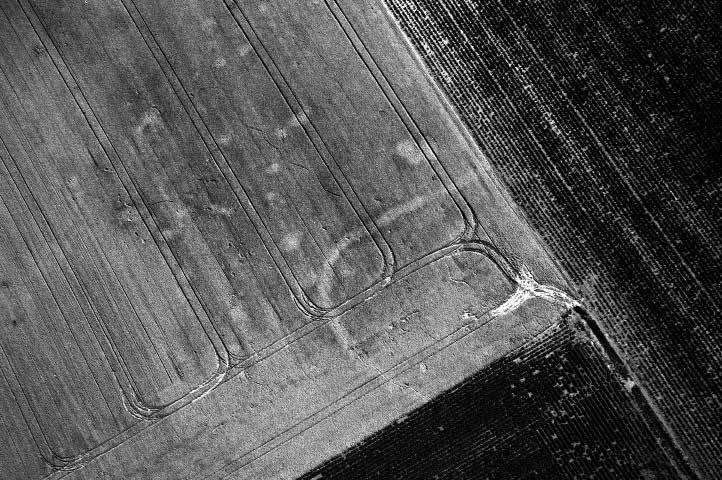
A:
(518, 276)
(466, 241)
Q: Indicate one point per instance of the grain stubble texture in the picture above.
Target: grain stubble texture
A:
(602, 120)
(207, 251)
(551, 409)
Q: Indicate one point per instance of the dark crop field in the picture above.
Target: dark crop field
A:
(356, 239)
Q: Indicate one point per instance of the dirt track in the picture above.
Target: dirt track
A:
(221, 225)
